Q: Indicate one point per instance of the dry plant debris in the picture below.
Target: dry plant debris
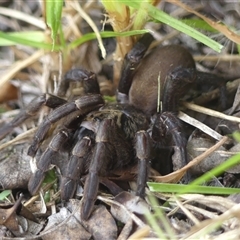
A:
(27, 72)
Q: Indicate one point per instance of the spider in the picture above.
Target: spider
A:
(102, 137)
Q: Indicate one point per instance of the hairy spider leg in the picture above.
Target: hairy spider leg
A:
(168, 125)
(104, 153)
(46, 159)
(113, 150)
(81, 106)
(89, 79)
(75, 167)
(209, 80)
(32, 109)
(130, 63)
(181, 79)
(143, 147)
(76, 75)
(177, 84)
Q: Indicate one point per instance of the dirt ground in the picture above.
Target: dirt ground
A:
(209, 121)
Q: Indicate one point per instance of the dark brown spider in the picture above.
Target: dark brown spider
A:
(103, 137)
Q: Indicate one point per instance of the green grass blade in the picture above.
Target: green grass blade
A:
(34, 36)
(178, 188)
(194, 187)
(53, 16)
(105, 34)
(4, 194)
(164, 231)
(231, 162)
(236, 136)
(199, 24)
(31, 39)
(161, 16)
(153, 219)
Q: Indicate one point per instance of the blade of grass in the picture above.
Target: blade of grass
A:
(4, 194)
(234, 160)
(35, 36)
(177, 188)
(157, 217)
(31, 39)
(53, 17)
(105, 34)
(199, 24)
(236, 136)
(161, 16)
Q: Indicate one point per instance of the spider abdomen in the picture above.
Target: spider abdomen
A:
(155, 67)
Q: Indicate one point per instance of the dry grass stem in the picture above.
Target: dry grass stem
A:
(223, 153)
(225, 58)
(10, 73)
(194, 122)
(141, 233)
(84, 15)
(110, 202)
(209, 225)
(19, 138)
(211, 112)
(43, 189)
(23, 17)
(187, 212)
(177, 175)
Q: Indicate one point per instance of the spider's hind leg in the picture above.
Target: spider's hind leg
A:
(79, 108)
(206, 81)
(90, 85)
(31, 110)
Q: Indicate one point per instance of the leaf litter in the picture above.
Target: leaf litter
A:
(190, 216)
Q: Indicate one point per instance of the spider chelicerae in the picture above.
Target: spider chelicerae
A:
(102, 137)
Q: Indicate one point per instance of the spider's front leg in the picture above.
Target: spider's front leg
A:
(90, 86)
(130, 63)
(81, 106)
(167, 132)
(89, 79)
(181, 79)
(177, 84)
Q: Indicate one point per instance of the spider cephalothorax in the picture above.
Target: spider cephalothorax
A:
(104, 137)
